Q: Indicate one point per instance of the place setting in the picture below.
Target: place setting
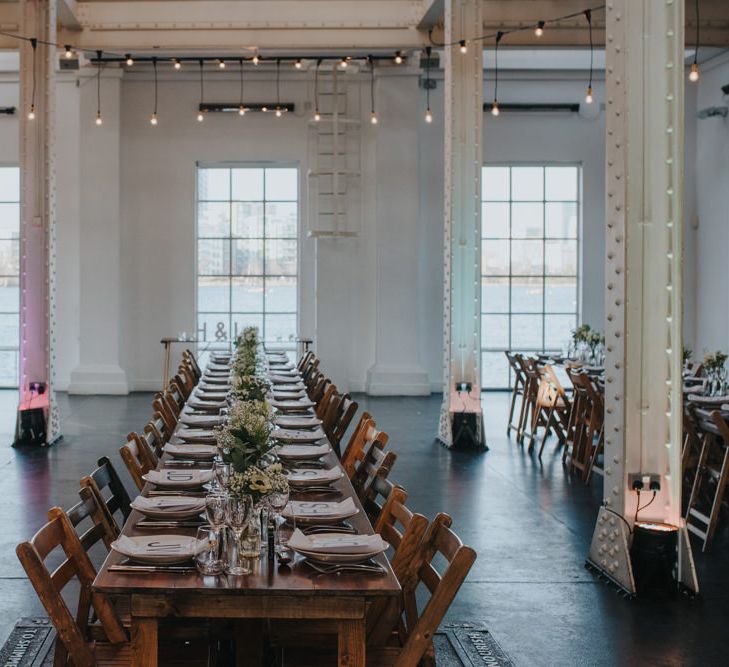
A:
(294, 436)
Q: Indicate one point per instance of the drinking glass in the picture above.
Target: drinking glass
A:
(215, 509)
(207, 553)
(237, 515)
(222, 473)
(277, 502)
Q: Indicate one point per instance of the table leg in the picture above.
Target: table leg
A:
(166, 370)
(351, 643)
(249, 642)
(144, 642)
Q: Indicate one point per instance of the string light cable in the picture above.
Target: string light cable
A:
(200, 115)
(694, 74)
(373, 114)
(241, 106)
(31, 112)
(588, 16)
(428, 112)
(153, 119)
(495, 104)
(99, 65)
(317, 115)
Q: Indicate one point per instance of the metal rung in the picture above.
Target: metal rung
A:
(696, 531)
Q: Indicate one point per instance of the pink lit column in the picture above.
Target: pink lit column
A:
(37, 215)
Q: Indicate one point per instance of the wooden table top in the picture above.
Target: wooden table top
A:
(268, 577)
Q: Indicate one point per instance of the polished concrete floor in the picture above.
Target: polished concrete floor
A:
(530, 523)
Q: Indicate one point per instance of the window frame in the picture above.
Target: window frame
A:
(508, 237)
(16, 312)
(230, 314)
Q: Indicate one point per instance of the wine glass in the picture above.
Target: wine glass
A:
(222, 472)
(237, 515)
(277, 501)
(215, 509)
(207, 551)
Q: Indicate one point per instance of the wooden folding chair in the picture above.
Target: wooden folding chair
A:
(105, 484)
(711, 477)
(356, 441)
(376, 463)
(138, 458)
(88, 509)
(517, 391)
(336, 422)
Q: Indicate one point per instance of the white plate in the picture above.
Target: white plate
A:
(320, 511)
(296, 436)
(178, 479)
(313, 476)
(297, 422)
(197, 452)
(293, 406)
(196, 404)
(302, 452)
(200, 421)
(167, 507)
(196, 435)
(288, 395)
(162, 549)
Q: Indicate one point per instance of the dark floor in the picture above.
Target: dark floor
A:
(530, 524)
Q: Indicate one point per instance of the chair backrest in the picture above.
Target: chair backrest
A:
(191, 361)
(305, 360)
(419, 627)
(160, 405)
(346, 410)
(174, 398)
(88, 509)
(323, 405)
(357, 439)
(356, 454)
(105, 484)
(154, 434)
(375, 463)
(138, 458)
(49, 584)
(310, 369)
(318, 387)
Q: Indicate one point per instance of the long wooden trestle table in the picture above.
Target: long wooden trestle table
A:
(271, 591)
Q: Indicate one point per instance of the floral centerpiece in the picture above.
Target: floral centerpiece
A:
(588, 343)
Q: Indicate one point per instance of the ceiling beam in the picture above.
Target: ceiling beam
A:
(431, 14)
(67, 17)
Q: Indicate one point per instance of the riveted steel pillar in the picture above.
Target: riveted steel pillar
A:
(462, 236)
(37, 207)
(643, 276)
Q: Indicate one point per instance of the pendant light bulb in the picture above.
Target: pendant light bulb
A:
(153, 119)
(130, 60)
(176, 63)
(694, 75)
(221, 63)
(343, 63)
(462, 45)
(539, 30)
(373, 118)
(298, 64)
(241, 110)
(264, 109)
(398, 58)
(255, 59)
(588, 97)
(98, 117)
(495, 111)
(69, 52)
(31, 113)
(428, 115)
(278, 112)
(200, 117)
(317, 116)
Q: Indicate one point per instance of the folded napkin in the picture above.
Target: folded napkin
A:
(210, 396)
(337, 543)
(180, 479)
(221, 379)
(296, 386)
(201, 452)
(196, 435)
(289, 435)
(212, 366)
(195, 403)
(307, 510)
(172, 504)
(213, 388)
(288, 395)
(292, 406)
(159, 548)
(313, 476)
(301, 451)
(200, 420)
(708, 400)
(297, 421)
(284, 378)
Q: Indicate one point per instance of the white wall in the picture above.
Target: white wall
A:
(711, 238)
(126, 218)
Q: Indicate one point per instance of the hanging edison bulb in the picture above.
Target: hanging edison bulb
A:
(428, 115)
(68, 53)
(221, 63)
(462, 45)
(694, 75)
(539, 30)
(495, 111)
(153, 119)
(130, 60)
(98, 117)
(298, 63)
(278, 112)
(256, 59)
(241, 110)
(373, 118)
(343, 63)
(398, 58)
(317, 115)
(588, 97)
(176, 63)
(31, 113)
(200, 117)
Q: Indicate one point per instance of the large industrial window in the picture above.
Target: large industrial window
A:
(9, 275)
(247, 252)
(529, 263)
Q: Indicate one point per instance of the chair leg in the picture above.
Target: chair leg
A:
(718, 498)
